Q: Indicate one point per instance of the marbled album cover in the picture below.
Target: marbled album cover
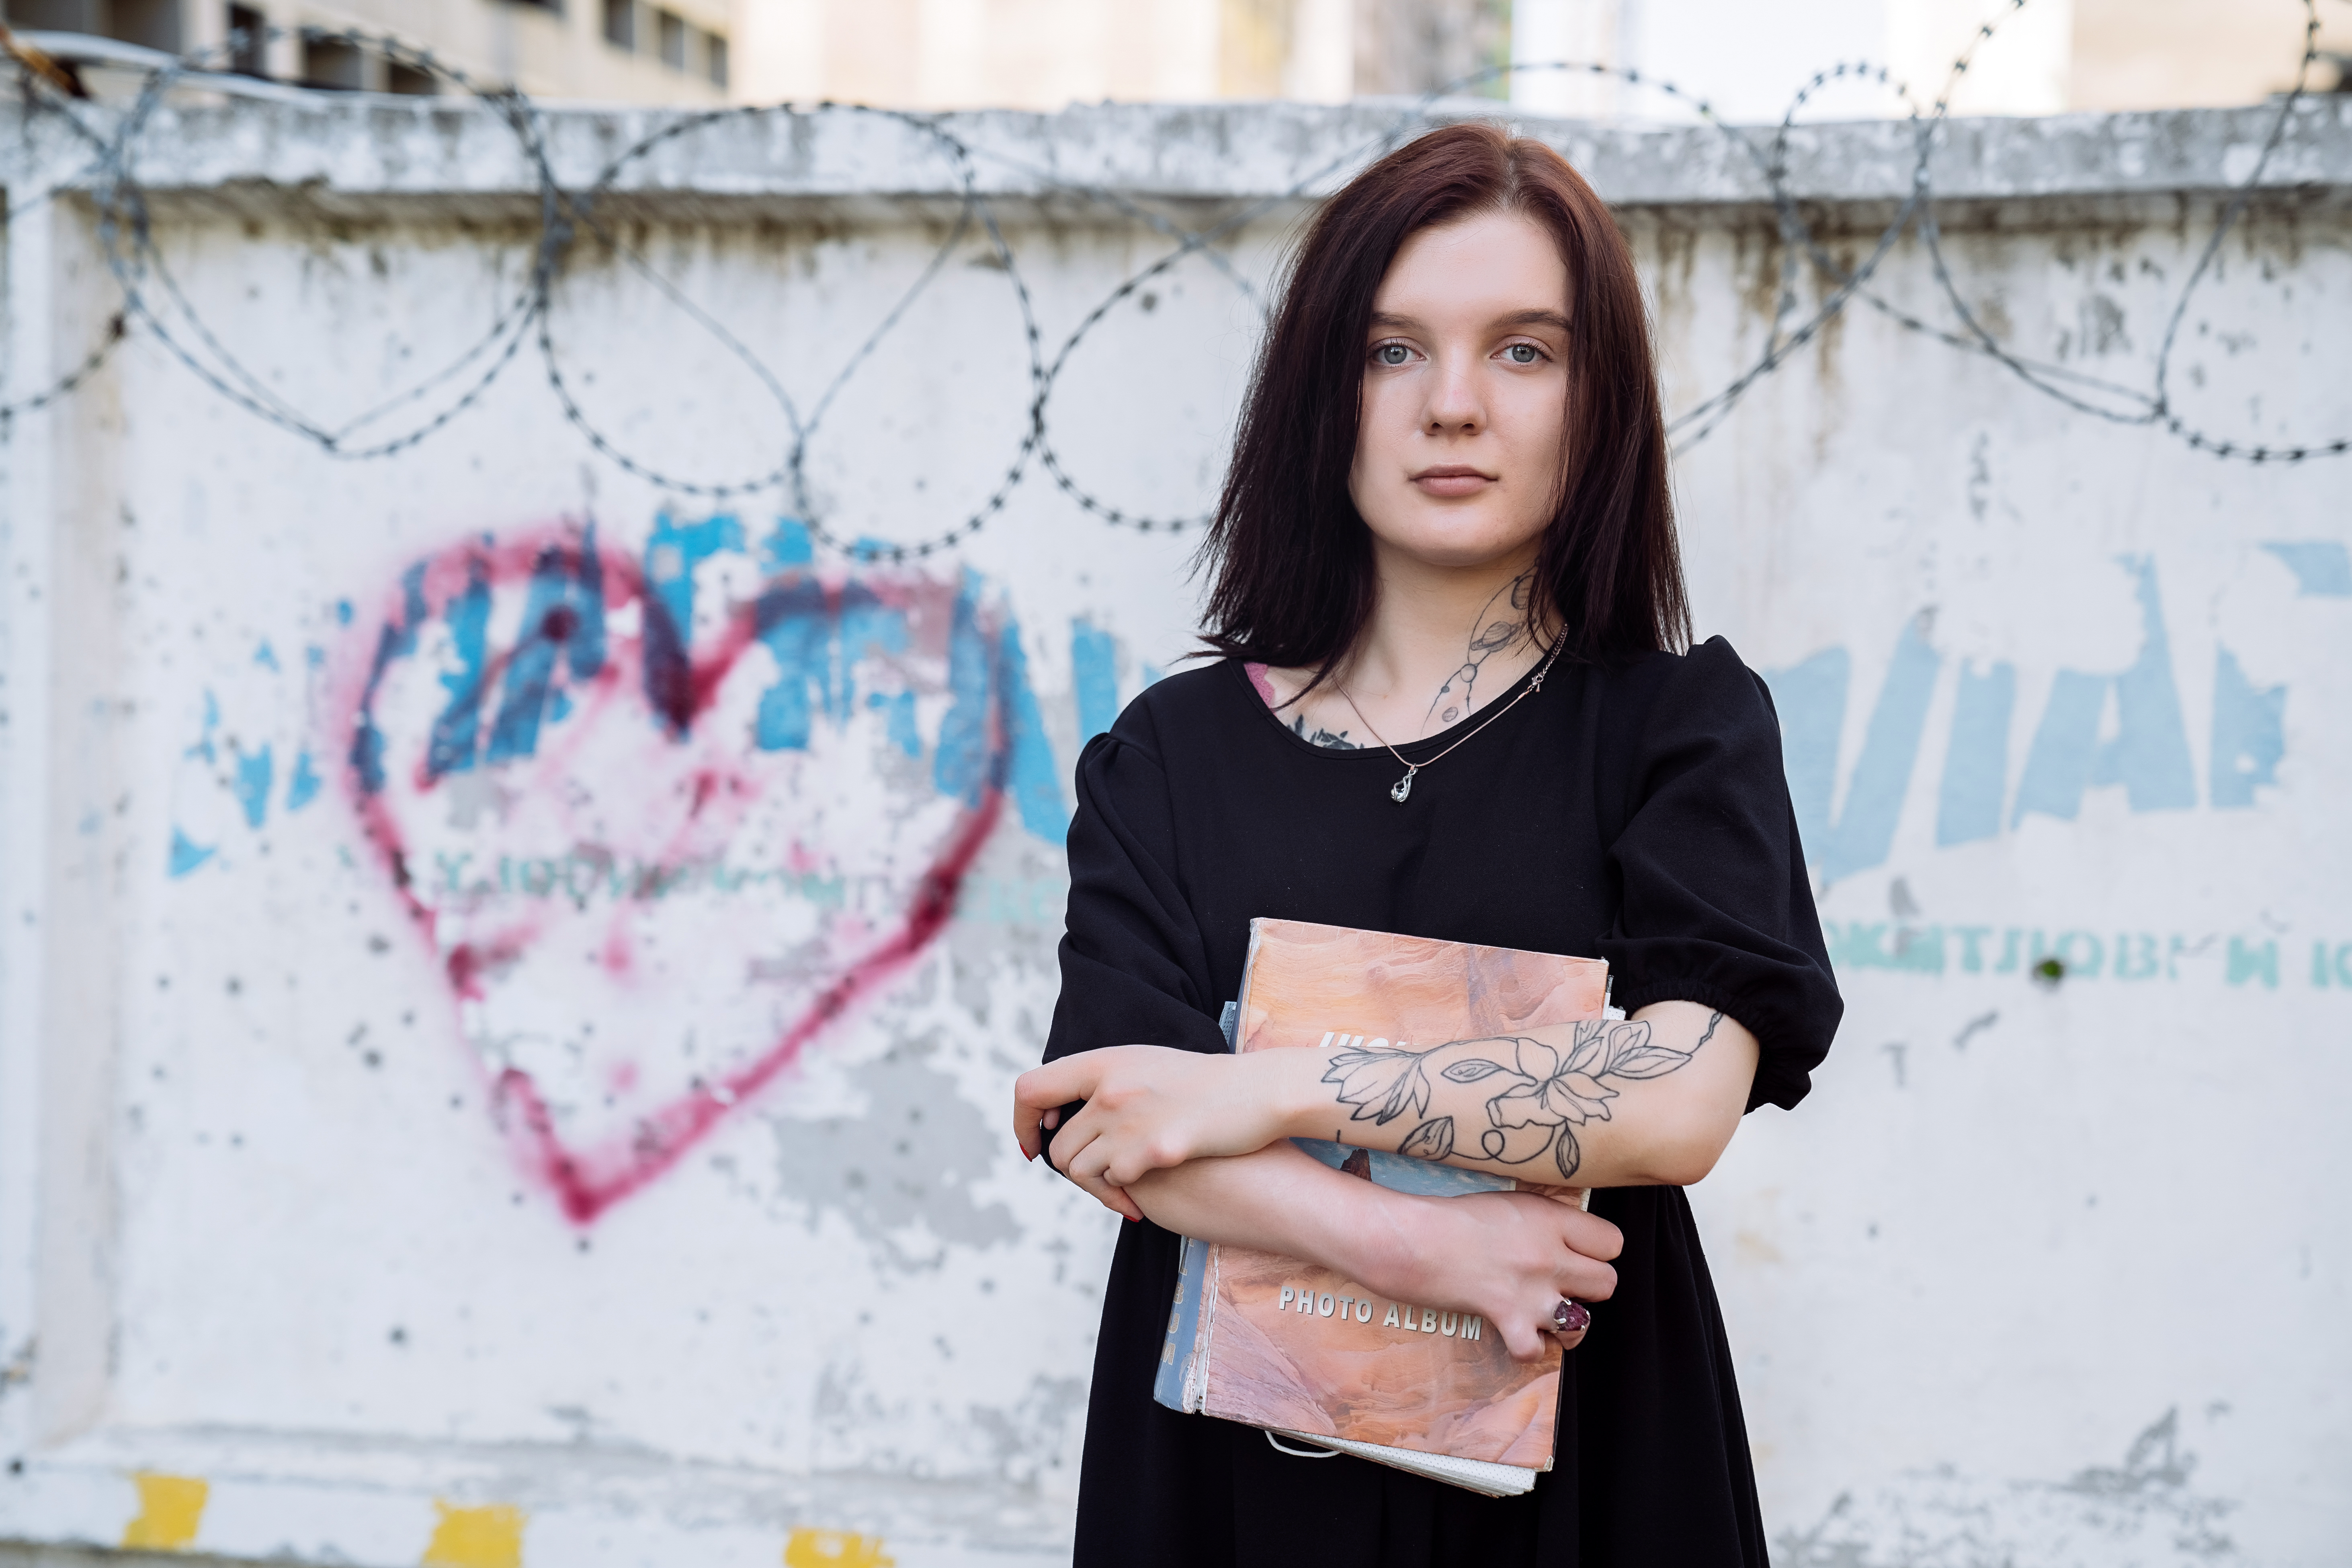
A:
(1305, 982)
(1285, 1345)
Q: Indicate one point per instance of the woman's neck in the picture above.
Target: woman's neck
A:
(1442, 644)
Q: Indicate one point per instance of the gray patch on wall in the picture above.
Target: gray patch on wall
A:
(2142, 1514)
(1028, 1438)
(907, 1162)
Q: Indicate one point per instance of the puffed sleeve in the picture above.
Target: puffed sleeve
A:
(1134, 968)
(1715, 906)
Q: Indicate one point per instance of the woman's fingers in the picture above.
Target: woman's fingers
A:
(1078, 1155)
(1093, 1151)
(1041, 1091)
(1587, 1243)
(1524, 1342)
(1579, 1278)
(1592, 1236)
(1114, 1199)
(1106, 1154)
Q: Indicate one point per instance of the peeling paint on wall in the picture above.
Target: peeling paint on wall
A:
(899, 1169)
(2144, 1513)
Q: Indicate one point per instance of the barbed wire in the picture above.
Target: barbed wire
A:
(155, 305)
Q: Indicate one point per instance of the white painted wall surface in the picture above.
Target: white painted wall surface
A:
(2041, 1274)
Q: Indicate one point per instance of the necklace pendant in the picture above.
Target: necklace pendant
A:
(1402, 787)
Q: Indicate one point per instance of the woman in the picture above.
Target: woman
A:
(1448, 594)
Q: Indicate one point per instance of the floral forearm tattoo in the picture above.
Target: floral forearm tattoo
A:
(1546, 1092)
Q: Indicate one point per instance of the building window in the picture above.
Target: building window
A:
(333, 63)
(413, 80)
(621, 24)
(714, 58)
(153, 22)
(249, 41)
(673, 38)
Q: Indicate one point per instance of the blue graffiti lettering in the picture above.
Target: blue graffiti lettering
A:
(1036, 779)
(1811, 700)
(450, 748)
(868, 626)
(2249, 961)
(1863, 833)
(1095, 677)
(671, 555)
(1862, 944)
(396, 639)
(302, 783)
(2248, 734)
(787, 545)
(564, 612)
(2135, 957)
(962, 767)
(1976, 766)
(251, 784)
(790, 620)
(2149, 754)
(187, 853)
(2083, 956)
(2058, 764)
(2322, 567)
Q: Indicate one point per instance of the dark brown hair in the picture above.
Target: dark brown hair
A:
(1292, 559)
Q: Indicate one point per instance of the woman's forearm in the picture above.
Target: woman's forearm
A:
(1282, 1199)
(1509, 1257)
(1651, 1101)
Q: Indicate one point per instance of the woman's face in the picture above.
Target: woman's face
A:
(1465, 394)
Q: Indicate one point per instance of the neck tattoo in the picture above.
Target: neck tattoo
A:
(1491, 633)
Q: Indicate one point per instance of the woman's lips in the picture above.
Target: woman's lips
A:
(1451, 481)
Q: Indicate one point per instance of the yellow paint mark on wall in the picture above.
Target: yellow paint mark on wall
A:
(476, 1537)
(169, 1508)
(832, 1549)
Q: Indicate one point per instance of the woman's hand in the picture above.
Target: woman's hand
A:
(1149, 1108)
(1509, 1257)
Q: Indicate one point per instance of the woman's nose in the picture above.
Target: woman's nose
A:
(1454, 406)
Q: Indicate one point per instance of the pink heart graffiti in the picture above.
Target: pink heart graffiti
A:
(665, 821)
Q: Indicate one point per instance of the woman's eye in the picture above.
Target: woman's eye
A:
(1524, 353)
(1392, 354)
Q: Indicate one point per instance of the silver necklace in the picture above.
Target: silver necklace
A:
(1401, 791)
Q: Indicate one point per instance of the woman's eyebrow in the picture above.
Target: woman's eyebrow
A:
(1389, 321)
(1552, 318)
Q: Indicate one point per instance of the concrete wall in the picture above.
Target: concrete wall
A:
(486, 1078)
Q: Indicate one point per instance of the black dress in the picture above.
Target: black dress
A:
(1637, 813)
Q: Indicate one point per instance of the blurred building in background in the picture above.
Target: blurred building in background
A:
(1746, 59)
(2048, 57)
(1042, 54)
(615, 51)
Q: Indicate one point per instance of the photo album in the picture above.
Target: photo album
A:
(1312, 1357)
